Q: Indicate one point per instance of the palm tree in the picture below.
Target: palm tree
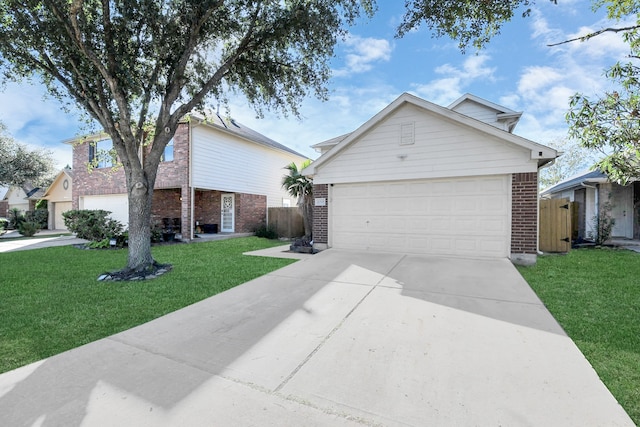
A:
(301, 187)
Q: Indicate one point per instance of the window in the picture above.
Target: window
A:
(167, 156)
(286, 203)
(101, 153)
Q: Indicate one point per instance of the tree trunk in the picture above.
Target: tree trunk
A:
(140, 198)
(307, 216)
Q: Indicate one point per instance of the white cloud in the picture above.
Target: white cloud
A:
(363, 53)
(446, 89)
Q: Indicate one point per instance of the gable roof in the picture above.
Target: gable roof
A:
(539, 152)
(576, 181)
(227, 125)
(502, 114)
(65, 172)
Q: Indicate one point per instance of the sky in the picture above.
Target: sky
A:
(371, 68)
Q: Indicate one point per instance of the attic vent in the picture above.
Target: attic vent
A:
(407, 133)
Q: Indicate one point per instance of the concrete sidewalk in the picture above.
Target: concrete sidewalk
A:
(12, 241)
(339, 338)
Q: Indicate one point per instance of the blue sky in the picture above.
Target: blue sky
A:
(372, 68)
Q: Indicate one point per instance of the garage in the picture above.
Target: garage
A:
(460, 217)
(419, 178)
(58, 209)
(117, 204)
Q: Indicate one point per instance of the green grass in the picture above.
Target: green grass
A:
(595, 295)
(51, 301)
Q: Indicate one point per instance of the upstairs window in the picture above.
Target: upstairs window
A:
(167, 156)
(101, 154)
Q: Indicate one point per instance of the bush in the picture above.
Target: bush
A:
(15, 218)
(266, 232)
(603, 223)
(39, 216)
(28, 228)
(93, 225)
(3, 225)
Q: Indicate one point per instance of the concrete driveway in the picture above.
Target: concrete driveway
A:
(339, 338)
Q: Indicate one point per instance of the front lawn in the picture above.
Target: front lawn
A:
(50, 300)
(595, 295)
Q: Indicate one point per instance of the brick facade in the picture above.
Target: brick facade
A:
(524, 213)
(321, 215)
(172, 194)
(251, 212)
(4, 208)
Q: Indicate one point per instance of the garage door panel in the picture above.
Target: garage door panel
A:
(465, 217)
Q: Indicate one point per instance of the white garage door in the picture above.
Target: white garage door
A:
(117, 204)
(59, 208)
(460, 217)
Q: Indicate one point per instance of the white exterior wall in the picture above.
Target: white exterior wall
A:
(16, 198)
(479, 112)
(231, 164)
(442, 148)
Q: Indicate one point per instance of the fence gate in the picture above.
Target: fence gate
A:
(555, 225)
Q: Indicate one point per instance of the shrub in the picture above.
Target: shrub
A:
(603, 223)
(39, 216)
(266, 231)
(93, 225)
(15, 218)
(28, 228)
(3, 225)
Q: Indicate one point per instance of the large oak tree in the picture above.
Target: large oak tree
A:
(138, 66)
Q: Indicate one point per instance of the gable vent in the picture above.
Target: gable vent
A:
(407, 133)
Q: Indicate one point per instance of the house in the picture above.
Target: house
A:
(217, 175)
(23, 198)
(590, 190)
(425, 179)
(58, 197)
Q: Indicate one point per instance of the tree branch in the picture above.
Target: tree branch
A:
(596, 33)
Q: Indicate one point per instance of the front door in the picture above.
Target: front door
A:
(228, 210)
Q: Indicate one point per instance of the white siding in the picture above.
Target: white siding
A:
(479, 112)
(230, 164)
(442, 148)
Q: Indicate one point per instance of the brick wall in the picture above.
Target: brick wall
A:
(524, 213)
(321, 215)
(4, 208)
(251, 212)
(207, 207)
(172, 175)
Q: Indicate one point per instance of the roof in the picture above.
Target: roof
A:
(539, 152)
(576, 181)
(228, 125)
(68, 172)
(469, 97)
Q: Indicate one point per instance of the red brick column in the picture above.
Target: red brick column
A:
(321, 215)
(524, 213)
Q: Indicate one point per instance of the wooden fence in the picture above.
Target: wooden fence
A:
(555, 225)
(286, 221)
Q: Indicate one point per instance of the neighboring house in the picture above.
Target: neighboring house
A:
(58, 197)
(23, 198)
(590, 190)
(216, 176)
(425, 179)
